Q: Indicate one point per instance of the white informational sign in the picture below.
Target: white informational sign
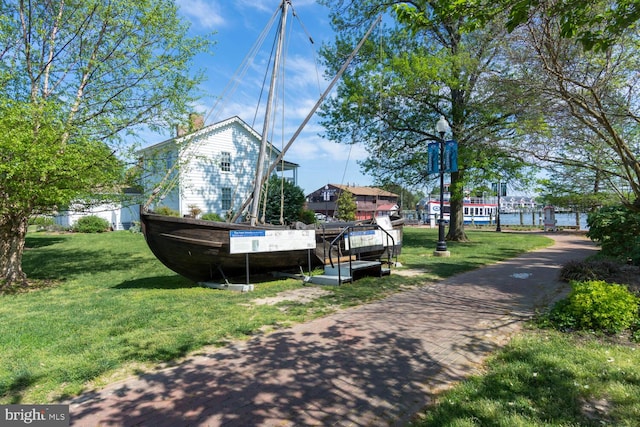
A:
(362, 239)
(397, 237)
(384, 222)
(254, 241)
(368, 238)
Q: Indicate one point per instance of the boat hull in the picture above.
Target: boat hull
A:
(200, 250)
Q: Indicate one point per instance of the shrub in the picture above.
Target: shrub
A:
(589, 270)
(91, 224)
(135, 227)
(45, 223)
(194, 210)
(308, 216)
(617, 230)
(164, 210)
(212, 216)
(596, 305)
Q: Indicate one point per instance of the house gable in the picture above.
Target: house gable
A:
(217, 166)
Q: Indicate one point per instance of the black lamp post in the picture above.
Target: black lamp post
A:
(498, 228)
(325, 196)
(442, 127)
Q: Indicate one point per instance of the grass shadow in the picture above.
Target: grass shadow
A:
(48, 265)
(174, 281)
(43, 241)
(15, 388)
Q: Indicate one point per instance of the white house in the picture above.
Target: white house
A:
(119, 216)
(212, 168)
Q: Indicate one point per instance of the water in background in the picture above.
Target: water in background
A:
(562, 219)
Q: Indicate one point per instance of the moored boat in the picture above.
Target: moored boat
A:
(476, 210)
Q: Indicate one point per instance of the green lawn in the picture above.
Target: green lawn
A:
(112, 309)
(547, 378)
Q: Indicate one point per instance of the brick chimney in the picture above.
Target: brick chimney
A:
(196, 122)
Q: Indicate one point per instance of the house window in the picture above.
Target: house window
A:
(226, 199)
(225, 161)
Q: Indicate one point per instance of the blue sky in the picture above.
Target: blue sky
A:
(237, 25)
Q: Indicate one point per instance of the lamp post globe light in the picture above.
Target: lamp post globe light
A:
(442, 127)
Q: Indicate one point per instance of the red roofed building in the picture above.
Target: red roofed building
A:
(370, 201)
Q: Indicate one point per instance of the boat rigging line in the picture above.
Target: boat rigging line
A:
(308, 117)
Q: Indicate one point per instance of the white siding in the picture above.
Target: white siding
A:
(119, 217)
(157, 160)
(201, 178)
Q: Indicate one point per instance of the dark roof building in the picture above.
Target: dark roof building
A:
(370, 201)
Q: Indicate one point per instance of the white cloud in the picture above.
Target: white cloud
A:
(255, 5)
(205, 14)
(311, 146)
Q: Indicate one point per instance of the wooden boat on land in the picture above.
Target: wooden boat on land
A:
(205, 251)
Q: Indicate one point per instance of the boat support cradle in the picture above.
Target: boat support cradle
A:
(227, 285)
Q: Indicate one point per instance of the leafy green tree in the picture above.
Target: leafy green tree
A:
(308, 216)
(346, 207)
(575, 188)
(407, 199)
(284, 201)
(431, 63)
(76, 78)
(583, 113)
(595, 24)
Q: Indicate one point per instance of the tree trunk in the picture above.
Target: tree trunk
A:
(13, 231)
(456, 223)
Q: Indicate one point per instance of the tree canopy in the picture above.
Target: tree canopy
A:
(557, 91)
(346, 207)
(595, 24)
(583, 116)
(429, 62)
(78, 79)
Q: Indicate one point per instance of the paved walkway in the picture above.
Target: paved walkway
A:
(373, 365)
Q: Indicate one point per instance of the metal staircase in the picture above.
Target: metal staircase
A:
(357, 251)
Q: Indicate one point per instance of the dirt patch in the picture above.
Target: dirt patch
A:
(596, 410)
(410, 272)
(302, 295)
(30, 285)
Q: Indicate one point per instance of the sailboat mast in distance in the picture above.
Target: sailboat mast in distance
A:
(267, 116)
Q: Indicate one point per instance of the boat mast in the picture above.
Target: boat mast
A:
(267, 115)
(313, 110)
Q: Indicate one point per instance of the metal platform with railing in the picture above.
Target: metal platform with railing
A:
(356, 251)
